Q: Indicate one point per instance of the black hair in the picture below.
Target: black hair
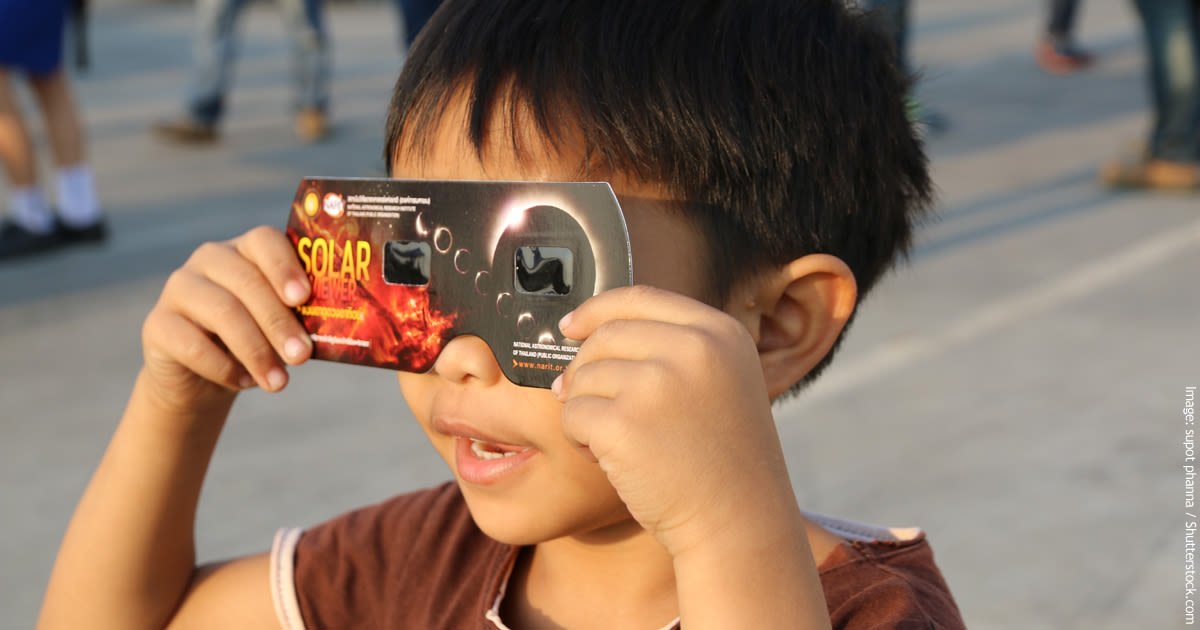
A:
(779, 125)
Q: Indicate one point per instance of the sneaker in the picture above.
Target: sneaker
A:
(1058, 56)
(185, 130)
(311, 125)
(17, 242)
(1152, 174)
(94, 233)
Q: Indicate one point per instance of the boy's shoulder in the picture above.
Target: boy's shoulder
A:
(884, 577)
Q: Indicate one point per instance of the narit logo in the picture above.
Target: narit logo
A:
(334, 205)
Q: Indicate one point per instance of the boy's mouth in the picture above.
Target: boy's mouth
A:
(489, 450)
(481, 458)
(480, 462)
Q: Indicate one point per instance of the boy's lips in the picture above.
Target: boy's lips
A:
(458, 429)
(480, 458)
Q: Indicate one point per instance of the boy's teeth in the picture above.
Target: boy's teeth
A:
(480, 449)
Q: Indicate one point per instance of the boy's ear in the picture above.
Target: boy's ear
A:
(795, 314)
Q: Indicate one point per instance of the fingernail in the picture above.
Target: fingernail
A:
(295, 292)
(556, 387)
(246, 382)
(276, 378)
(565, 321)
(294, 348)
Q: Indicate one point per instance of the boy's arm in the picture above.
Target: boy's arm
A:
(128, 558)
(759, 574)
(669, 396)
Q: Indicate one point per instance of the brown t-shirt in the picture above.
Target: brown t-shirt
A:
(419, 561)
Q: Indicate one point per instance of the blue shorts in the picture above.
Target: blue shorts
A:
(31, 35)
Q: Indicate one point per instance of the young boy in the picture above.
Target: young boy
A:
(768, 175)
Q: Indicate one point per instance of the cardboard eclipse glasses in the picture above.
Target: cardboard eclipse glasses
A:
(401, 267)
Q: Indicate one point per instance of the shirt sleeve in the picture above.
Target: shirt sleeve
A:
(894, 604)
(283, 584)
(889, 586)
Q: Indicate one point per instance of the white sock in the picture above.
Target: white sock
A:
(77, 196)
(29, 210)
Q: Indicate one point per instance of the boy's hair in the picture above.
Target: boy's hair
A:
(778, 125)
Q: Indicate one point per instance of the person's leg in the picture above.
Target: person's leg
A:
(1196, 38)
(1062, 18)
(305, 25)
(416, 13)
(1173, 49)
(892, 17)
(1172, 159)
(62, 122)
(77, 204)
(215, 47)
(30, 227)
(16, 149)
(1056, 51)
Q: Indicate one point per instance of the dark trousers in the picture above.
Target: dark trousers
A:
(416, 14)
(892, 17)
(1172, 37)
(1062, 18)
(216, 44)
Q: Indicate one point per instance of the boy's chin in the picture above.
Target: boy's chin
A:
(513, 521)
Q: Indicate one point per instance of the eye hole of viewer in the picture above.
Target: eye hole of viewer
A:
(406, 262)
(544, 270)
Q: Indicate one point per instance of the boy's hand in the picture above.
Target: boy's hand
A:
(668, 395)
(224, 322)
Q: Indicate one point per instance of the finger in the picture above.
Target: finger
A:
(188, 345)
(217, 311)
(228, 268)
(580, 417)
(632, 339)
(676, 347)
(635, 302)
(274, 255)
(608, 378)
(601, 379)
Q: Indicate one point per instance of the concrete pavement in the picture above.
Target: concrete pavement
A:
(1016, 390)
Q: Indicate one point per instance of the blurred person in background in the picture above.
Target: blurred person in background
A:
(415, 13)
(892, 18)
(31, 36)
(1056, 51)
(1171, 157)
(215, 48)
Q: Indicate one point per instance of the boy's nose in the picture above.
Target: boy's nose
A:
(468, 360)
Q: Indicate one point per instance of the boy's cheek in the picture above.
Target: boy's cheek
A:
(417, 396)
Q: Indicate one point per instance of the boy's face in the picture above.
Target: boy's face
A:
(522, 480)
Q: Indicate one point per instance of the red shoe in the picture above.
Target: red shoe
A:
(1061, 57)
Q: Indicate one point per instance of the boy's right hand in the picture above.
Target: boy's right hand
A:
(224, 322)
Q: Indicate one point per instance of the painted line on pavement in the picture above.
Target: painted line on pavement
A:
(1085, 280)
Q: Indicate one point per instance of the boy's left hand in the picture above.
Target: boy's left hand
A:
(668, 395)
